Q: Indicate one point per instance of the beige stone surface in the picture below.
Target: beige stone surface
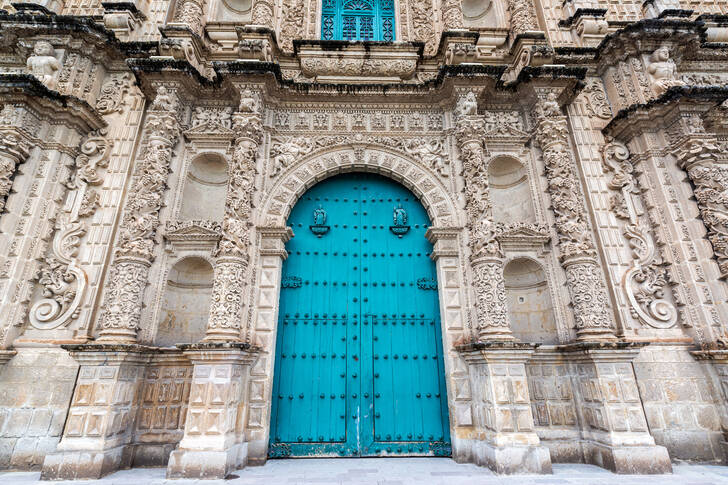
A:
(572, 156)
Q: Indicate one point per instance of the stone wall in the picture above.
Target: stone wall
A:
(35, 392)
(681, 403)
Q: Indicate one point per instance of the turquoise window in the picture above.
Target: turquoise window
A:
(358, 20)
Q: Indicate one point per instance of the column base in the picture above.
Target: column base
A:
(512, 460)
(85, 465)
(629, 460)
(207, 465)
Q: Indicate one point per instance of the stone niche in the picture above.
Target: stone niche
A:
(186, 303)
(205, 189)
(530, 307)
(509, 191)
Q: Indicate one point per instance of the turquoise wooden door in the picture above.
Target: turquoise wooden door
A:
(359, 363)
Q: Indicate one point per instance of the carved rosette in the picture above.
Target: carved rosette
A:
(523, 16)
(697, 154)
(485, 251)
(226, 309)
(139, 225)
(646, 280)
(576, 246)
(13, 151)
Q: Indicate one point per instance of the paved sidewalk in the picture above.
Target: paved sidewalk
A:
(396, 471)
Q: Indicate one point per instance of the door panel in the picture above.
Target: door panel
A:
(359, 368)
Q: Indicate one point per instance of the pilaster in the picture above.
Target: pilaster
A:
(486, 256)
(505, 439)
(716, 361)
(231, 265)
(130, 270)
(99, 427)
(614, 426)
(576, 244)
(214, 442)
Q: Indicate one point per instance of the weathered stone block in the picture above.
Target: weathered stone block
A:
(40, 422)
(17, 423)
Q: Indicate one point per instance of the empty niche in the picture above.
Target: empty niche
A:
(205, 189)
(509, 191)
(530, 308)
(186, 303)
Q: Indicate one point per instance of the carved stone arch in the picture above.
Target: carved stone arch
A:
(422, 181)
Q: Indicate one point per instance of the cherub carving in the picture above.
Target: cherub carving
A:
(164, 101)
(43, 63)
(467, 105)
(662, 70)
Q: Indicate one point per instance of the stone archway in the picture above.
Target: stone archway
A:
(440, 204)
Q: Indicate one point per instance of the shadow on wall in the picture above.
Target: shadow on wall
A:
(205, 189)
(530, 307)
(510, 192)
(186, 303)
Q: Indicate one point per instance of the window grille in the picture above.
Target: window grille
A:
(358, 20)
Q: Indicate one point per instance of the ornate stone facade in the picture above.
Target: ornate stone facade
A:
(572, 159)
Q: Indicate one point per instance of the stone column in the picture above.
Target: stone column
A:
(697, 154)
(191, 14)
(576, 243)
(101, 417)
(263, 13)
(523, 17)
(452, 15)
(486, 257)
(135, 253)
(214, 439)
(614, 426)
(505, 441)
(716, 367)
(13, 151)
(231, 265)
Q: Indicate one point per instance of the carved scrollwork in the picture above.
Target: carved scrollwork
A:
(114, 92)
(646, 280)
(62, 278)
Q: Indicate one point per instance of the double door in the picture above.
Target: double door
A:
(359, 364)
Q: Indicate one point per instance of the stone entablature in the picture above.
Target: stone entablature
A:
(575, 148)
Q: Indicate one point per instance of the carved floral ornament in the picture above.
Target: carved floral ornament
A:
(308, 170)
(646, 282)
(61, 277)
(430, 151)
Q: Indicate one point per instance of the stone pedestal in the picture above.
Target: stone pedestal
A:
(614, 427)
(214, 438)
(100, 421)
(504, 439)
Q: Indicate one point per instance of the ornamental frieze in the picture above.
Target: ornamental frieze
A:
(430, 152)
(357, 120)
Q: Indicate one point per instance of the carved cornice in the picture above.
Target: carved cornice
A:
(659, 112)
(193, 230)
(55, 107)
